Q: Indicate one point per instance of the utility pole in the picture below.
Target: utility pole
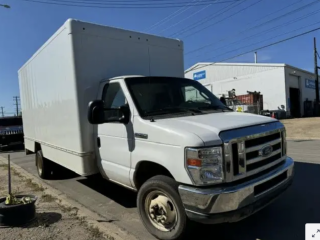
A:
(2, 112)
(317, 75)
(16, 99)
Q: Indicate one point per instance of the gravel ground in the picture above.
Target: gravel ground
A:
(303, 128)
(54, 221)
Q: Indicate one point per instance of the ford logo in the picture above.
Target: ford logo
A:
(265, 151)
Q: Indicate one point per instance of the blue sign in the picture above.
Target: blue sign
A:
(310, 84)
(199, 75)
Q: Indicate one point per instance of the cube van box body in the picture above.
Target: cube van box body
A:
(97, 99)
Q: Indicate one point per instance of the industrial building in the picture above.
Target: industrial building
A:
(284, 87)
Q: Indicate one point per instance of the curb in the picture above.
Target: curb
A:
(109, 230)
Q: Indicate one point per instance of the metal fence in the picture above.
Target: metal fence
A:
(255, 108)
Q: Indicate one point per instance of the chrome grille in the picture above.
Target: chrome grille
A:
(254, 149)
(11, 132)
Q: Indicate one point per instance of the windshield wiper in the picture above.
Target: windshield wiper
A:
(169, 110)
(211, 107)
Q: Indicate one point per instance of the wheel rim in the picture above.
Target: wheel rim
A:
(161, 211)
(39, 165)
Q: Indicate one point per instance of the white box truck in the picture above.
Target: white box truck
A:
(100, 99)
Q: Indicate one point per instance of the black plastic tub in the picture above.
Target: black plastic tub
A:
(17, 215)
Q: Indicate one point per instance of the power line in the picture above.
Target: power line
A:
(189, 16)
(268, 30)
(259, 48)
(243, 31)
(172, 15)
(229, 16)
(267, 39)
(208, 18)
(123, 5)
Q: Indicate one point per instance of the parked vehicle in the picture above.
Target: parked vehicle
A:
(101, 99)
(11, 131)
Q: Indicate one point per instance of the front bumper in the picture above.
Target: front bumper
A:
(233, 203)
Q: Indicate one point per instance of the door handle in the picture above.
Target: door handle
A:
(98, 142)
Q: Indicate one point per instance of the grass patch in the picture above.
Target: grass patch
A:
(95, 232)
(109, 237)
(35, 187)
(4, 166)
(72, 211)
(47, 198)
(82, 220)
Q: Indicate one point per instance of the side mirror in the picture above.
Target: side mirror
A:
(97, 114)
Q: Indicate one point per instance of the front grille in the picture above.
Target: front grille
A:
(252, 150)
(11, 132)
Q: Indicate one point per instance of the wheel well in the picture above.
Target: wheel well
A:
(37, 147)
(146, 170)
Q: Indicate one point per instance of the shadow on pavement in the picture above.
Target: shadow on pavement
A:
(41, 220)
(309, 140)
(120, 195)
(45, 219)
(61, 173)
(283, 219)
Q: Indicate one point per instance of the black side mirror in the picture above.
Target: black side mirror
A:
(125, 111)
(96, 112)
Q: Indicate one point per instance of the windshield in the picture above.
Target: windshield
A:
(165, 95)
(10, 121)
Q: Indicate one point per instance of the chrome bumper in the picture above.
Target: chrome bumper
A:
(233, 203)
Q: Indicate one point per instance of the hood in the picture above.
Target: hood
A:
(208, 126)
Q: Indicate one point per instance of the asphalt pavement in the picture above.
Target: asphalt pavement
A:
(283, 219)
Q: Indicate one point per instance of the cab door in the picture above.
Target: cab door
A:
(115, 138)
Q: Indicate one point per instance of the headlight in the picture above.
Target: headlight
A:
(205, 165)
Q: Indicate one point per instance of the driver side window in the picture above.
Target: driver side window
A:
(113, 97)
(193, 95)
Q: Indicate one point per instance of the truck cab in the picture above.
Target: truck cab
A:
(189, 158)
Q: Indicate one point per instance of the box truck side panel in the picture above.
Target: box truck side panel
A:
(102, 52)
(166, 61)
(49, 104)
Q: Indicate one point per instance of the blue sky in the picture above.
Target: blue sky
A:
(26, 26)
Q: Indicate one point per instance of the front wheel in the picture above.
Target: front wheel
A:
(161, 209)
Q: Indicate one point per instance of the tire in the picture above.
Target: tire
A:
(162, 185)
(44, 166)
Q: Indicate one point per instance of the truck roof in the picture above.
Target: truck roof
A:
(73, 26)
(126, 76)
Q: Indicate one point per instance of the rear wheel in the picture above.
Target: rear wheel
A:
(161, 208)
(43, 165)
